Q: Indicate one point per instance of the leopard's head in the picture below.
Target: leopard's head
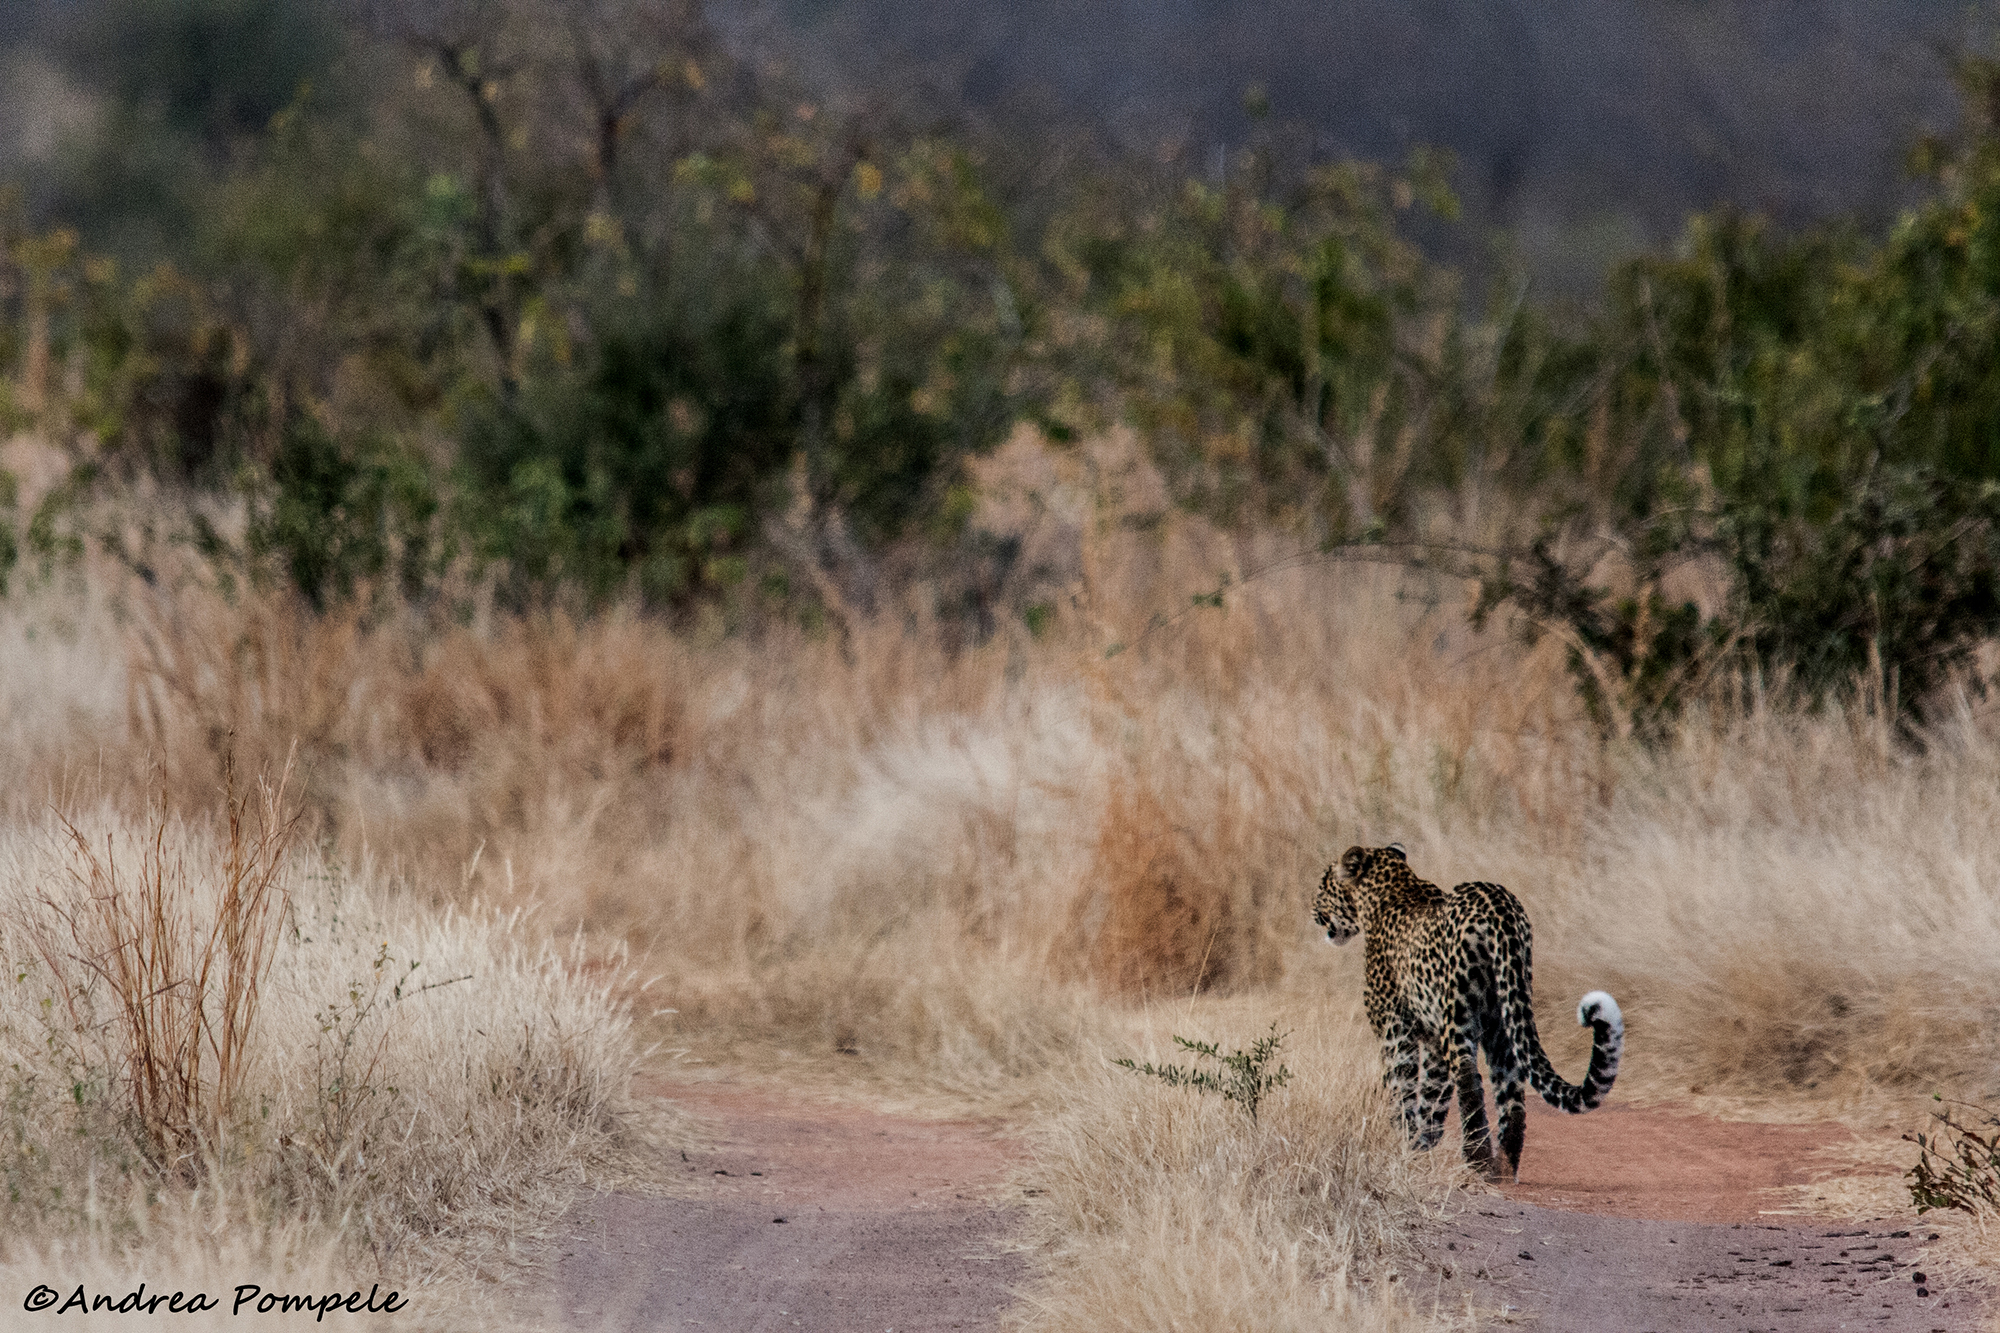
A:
(1335, 906)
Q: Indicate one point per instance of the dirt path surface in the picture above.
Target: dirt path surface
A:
(1562, 1272)
(1628, 1220)
(1627, 1161)
(803, 1215)
(1631, 1220)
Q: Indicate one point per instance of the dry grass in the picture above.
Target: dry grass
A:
(181, 976)
(874, 855)
(1165, 1209)
(365, 1089)
(1966, 1257)
(785, 827)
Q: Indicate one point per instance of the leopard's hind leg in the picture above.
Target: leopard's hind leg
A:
(1510, 1081)
(1471, 1092)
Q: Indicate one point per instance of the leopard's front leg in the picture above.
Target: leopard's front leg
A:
(1434, 1091)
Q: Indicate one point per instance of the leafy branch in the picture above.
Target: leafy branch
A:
(1242, 1077)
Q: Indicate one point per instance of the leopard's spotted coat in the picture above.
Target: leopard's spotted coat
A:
(1449, 975)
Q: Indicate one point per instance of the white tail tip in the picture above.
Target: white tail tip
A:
(1599, 1007)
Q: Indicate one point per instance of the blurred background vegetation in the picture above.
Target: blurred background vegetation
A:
(1675, 329)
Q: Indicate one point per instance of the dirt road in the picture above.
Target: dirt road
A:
(804, 1215)
(1562, 1272)
(1635, 1219)
(822, 1216)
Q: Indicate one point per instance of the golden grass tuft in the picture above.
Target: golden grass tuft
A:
(1165, 916)
(1161, 1208)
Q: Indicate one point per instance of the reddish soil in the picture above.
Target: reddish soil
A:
(1632, 1161)
(825, 1216)
(804, 1215)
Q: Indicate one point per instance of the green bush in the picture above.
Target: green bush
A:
(1816, 416)
(340, 516)
(652, 463)
(587, 307)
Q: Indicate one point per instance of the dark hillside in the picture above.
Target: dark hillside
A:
(1589, 128)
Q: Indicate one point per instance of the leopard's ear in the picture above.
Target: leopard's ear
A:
(1402, 853)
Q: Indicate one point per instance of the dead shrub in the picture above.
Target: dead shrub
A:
(211, 681)
(418, 744)
(183, 963)
(443, 718)
(1166, 921)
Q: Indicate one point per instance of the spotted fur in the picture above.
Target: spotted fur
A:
(1449, 975)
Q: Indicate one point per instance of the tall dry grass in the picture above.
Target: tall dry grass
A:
(228, 1059)
(876, 853)
(182, 977)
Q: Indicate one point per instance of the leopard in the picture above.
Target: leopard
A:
(1449, 975)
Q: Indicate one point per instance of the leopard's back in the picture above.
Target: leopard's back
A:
(1412, 952)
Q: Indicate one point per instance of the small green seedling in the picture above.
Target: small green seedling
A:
(1958, 1167)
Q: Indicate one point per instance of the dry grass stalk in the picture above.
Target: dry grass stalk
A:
(184, 967)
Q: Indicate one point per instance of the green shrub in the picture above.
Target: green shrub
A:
(340, 515)
(1242, 1078)
(655, 461)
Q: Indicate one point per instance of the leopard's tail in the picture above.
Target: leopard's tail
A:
(1598, 1012)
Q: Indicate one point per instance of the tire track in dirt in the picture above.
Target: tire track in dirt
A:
(803, 1215)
